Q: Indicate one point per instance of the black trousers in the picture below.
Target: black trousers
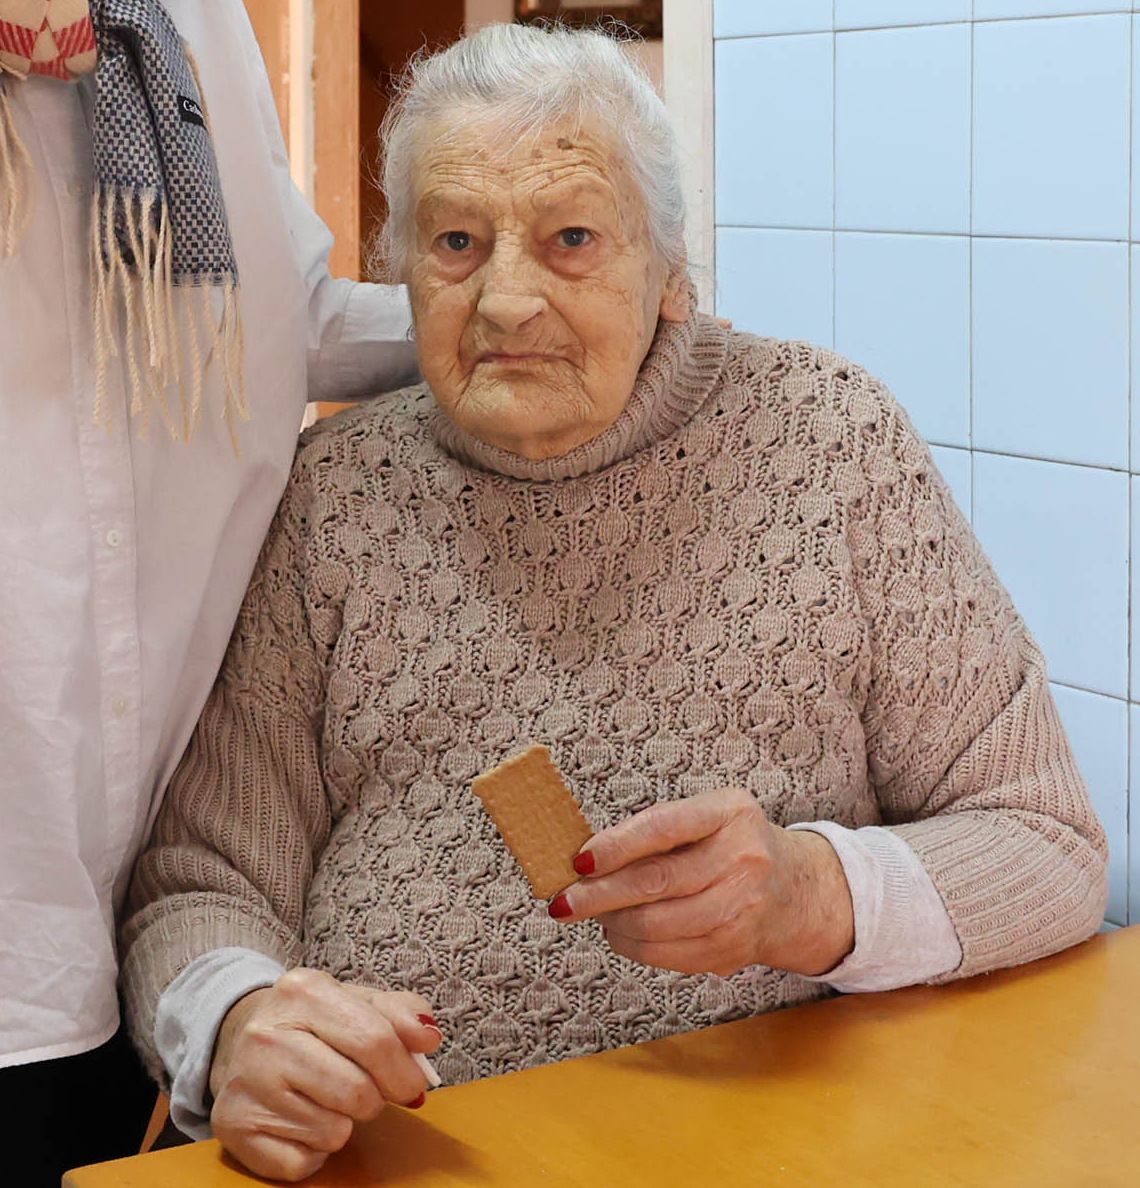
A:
(59, 1114)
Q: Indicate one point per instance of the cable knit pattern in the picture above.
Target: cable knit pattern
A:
(756, 576)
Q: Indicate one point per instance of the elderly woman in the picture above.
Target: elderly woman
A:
(719, 576)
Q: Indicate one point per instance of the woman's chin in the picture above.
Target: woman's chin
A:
(523, 423)
(531, 443)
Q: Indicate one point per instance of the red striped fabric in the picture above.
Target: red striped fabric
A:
(48, 37)
(77, 38)
(56, 68)
(17, 39)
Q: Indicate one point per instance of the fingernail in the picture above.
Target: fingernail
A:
(428, 1021)
(415, 1103)
(560, 908)
(584, 863)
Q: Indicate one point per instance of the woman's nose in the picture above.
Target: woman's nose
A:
(510, 312)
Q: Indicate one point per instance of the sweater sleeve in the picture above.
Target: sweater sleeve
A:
(903, 933)
(245, 816)
(966, 751)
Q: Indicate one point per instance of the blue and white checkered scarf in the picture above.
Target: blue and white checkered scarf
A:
(163, 270)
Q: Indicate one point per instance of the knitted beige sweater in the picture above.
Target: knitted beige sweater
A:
(756, 576)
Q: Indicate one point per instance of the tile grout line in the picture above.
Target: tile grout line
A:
(1045, 16)
(1093, 692)
(970, 273)
(834, 179)
(1092, 240)
(714, 229)
(1129, 873)
(1105, 467)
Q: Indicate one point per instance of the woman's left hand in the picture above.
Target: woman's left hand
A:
(710, 885)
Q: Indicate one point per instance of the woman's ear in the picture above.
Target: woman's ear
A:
(677, 299)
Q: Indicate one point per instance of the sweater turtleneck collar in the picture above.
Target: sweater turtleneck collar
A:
(676, 377)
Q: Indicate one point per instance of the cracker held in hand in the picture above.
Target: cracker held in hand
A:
(538, 817)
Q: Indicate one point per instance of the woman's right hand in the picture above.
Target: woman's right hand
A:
(298, 1063)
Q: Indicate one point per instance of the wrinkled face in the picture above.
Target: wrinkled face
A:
(534, 283)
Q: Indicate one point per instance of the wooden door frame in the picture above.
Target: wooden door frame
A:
(312, 55)
(689, 96)
(336, 118)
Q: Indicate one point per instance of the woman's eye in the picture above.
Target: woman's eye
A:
(457, 241)
(574, 237)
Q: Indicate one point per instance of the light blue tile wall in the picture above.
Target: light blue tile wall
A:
(1050, 325)
(949, 192)
(903, 95)
(867, 14)
(902, 308)
(1051, 127)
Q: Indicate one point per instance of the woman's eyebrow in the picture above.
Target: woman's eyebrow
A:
(450, 201)
(562, 191)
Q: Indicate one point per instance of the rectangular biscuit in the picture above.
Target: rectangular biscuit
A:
(538, 817)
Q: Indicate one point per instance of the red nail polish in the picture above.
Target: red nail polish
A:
(584, 863)
(428, 1021)
(560, 908)
(415, 1103)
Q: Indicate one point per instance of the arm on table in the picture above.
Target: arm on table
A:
(966, 751)
(291, 1065)
(981, 799)
(245, 816)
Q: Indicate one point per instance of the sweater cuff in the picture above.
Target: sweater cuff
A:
(189, 1016)
(903, 933)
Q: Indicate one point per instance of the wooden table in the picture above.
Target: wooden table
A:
(1026, 1077)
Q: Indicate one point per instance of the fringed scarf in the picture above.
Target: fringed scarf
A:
(164, 279)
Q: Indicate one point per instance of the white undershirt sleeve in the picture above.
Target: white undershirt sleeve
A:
(903, 932)
(189, 1016)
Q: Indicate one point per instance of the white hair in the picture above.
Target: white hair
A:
(529, 77)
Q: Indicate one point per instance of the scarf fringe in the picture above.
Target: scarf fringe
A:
(168, 335)
(15, 172)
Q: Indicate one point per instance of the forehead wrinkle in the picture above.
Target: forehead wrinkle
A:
(449, 188)
(552, 195)
(529, 178)
(540, 193)
(483, 145)
(461, 200)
